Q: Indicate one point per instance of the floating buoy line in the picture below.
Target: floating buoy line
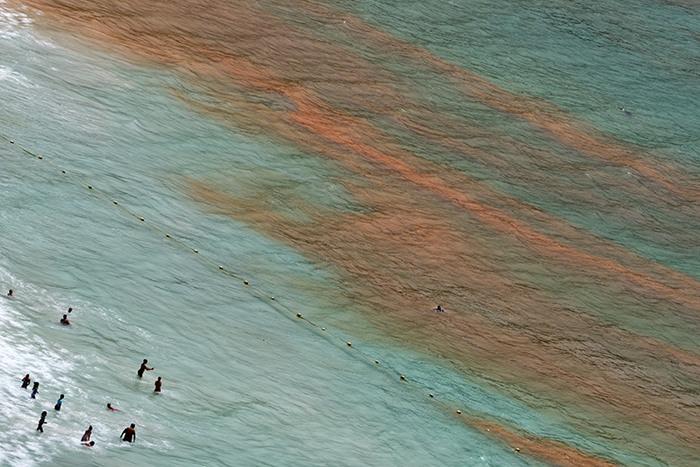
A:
(254, 290)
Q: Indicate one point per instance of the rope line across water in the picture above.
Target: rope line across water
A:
(255, 291)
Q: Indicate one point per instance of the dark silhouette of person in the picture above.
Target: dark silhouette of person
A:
(89, 445)
(64, 320)
(144, 367)
(42, 421)
(35, 390)
(86, 435)
(59, 403)
(10, 293)
(25, 381)
(158, 385)
(129, 433)
(110, 408)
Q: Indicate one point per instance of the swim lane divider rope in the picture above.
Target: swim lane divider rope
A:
(255, 291)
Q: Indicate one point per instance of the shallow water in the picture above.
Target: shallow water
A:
(359, 162)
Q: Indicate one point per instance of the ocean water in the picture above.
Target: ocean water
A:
(188, 177)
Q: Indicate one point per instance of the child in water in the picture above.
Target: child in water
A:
(59, 403)
(42, 421)
(35, 390)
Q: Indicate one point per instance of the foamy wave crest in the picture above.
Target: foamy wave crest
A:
(24, 352)
(11, 21)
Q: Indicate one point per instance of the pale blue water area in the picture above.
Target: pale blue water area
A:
(243, 385)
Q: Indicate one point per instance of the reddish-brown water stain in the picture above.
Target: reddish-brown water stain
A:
(311, 112)
(530, 342)
(542, 115)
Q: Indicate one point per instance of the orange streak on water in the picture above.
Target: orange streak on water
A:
(544, 116)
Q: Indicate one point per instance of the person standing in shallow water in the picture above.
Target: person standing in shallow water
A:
(35, 390)
(42, 421)
(144, 368)
(129, 433)
(158, 385)
(25, 381)
(86, 435)
(64, 320)
(59, 403)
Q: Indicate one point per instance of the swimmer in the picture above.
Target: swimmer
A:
(64, 320)
(144, 367)
(10, 293)
(70, 309)
(42, 421)
(158, 384)
(89, 445)
(59, 403)
(129, 433)
(110, 408)
(86, 435)
(439, 309)
(35, 390)
(25, 381)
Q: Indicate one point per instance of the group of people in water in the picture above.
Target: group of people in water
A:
(128, 434)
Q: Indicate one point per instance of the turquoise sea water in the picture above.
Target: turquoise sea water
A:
(245, 383)
(242, 384)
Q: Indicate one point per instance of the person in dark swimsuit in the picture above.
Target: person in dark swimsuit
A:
(25, 381)
(35, 390)
(158, 385)
(110, 408)
(86, 435)
(64, 320)
(42, 421)
(129, 433)
(10, 293)
(59, 403)
(144, 367)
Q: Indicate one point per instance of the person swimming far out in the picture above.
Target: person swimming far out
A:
(158, 385)
(144, 367)
(88, 444)
(64, 321)
(25, 381)
(110, 408)
(35, 390)
(439, 309)
(42, 421)
(10, 293)
(59, 403)
(129, 433)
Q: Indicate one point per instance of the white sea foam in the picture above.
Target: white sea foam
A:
(11, 21)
